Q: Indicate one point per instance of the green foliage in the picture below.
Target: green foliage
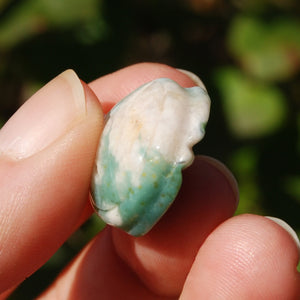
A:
(253, 108)
(33, 17)
(269, 50)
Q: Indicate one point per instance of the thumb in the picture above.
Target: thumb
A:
(47, 150)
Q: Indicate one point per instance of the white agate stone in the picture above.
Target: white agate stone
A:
(146, 142)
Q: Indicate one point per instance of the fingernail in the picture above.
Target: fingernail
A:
(194, 77)
(288, 228)
(226, 173)
(47, 115)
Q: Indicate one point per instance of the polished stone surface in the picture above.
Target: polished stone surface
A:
(145, 144)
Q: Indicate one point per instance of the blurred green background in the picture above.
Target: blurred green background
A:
(247, 52)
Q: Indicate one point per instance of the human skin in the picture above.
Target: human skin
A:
(198, 250)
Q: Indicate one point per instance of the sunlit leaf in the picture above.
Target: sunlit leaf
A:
(35, 16)
(252, 108)
(267, 50)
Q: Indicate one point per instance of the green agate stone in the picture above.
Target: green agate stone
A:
(146, 142)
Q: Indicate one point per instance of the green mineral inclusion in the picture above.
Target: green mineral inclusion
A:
(140, 206)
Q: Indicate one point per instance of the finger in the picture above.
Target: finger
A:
(99, 273)
(160, 261)
(47, 150)
(247, 257)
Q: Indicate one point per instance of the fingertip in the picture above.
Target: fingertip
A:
(246, 257)
(51, 112)
(226, 173)
(288, 229)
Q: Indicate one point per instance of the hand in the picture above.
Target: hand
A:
(198, 250)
